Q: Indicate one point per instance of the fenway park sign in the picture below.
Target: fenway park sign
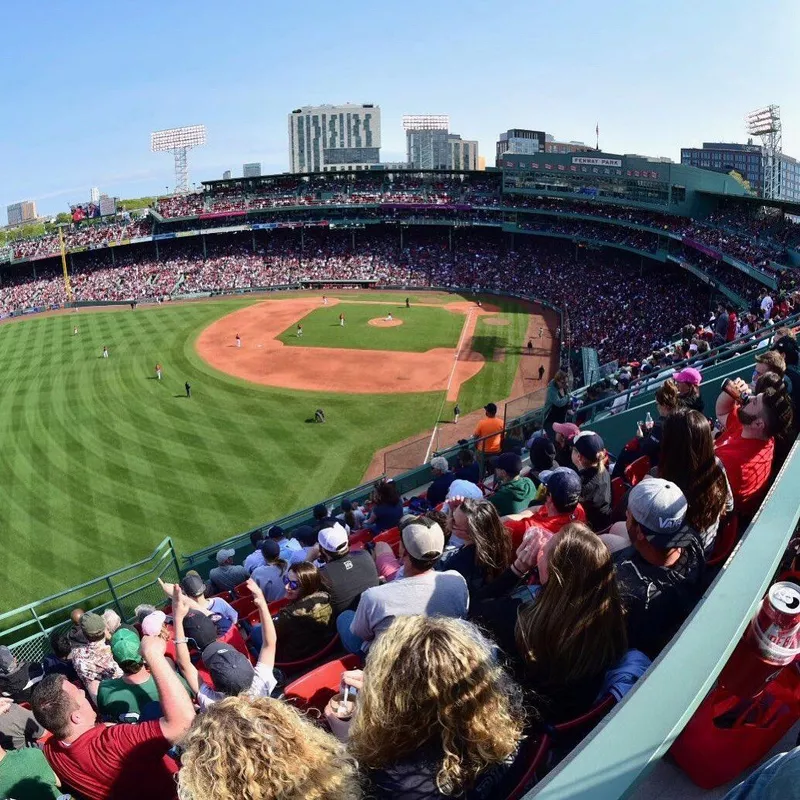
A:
(597, 162)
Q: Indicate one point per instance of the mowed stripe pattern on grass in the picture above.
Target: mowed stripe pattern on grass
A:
(424, 328)
(99, 461)
(496, 379)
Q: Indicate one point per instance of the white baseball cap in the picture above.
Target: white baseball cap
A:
(333, 539)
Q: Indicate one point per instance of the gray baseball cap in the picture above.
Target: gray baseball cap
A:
(423, 542)
(660, 509)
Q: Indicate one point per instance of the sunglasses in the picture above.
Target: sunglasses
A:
(293, 585)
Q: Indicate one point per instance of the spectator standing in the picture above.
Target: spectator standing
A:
(557, 401)
(515, 492)
(733, 322)
(489, 432)
(442, 478)
(94, 661)
(588, 458)
(123, 762)
(720, 327)
(438, 676)
(661, 574)
(345, 575)
(422, 590)
(226, 575)
(17, 678)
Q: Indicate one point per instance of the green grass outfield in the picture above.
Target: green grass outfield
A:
(99, 461)
(423, 328)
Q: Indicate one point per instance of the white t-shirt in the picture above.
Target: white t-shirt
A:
(262, 685)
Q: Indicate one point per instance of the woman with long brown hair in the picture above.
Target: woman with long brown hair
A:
(688, 460)
(574, 631)
(488, 549)
(437, 715)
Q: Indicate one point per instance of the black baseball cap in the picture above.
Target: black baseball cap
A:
(543, 453)
(270, 548)
(230, 670)
(509, 462)
(192, 584)
(200, 628)
(491, 408)
(276, 532)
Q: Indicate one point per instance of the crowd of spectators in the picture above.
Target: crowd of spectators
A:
(476, 617)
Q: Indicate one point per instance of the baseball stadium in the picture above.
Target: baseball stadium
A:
(276, 351)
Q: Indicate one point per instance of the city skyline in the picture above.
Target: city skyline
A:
(654, 82)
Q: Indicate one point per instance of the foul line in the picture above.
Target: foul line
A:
(464, 329)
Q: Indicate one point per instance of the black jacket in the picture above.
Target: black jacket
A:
(596, 497)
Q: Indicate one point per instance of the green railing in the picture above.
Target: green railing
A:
(26, 629)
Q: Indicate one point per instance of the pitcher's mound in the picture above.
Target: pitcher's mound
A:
(382, 322)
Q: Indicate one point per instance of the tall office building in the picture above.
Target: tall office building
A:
(520, 141)
(334, 138)
(94, 195)
(463, 152)
(431, 145)
(21, 212)
(251, 170)
(226, 176)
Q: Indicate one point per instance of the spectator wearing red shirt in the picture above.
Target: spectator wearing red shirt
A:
(732, 322)
(122, 761)
(561, 505)
(747, 445)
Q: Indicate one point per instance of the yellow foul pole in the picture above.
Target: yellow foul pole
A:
(67, 286)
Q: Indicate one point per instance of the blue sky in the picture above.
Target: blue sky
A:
(85, 83)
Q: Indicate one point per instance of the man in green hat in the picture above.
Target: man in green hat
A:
(134, 696)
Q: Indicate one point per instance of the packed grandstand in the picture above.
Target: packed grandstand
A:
(284, 667)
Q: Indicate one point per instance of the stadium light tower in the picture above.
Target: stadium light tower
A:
(766, 124)
(179, 141)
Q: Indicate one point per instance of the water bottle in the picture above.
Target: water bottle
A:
(648, 421)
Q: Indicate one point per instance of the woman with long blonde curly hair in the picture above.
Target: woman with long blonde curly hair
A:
(262, 749)
(437, 715)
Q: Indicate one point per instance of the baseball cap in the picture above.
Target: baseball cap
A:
(200, 628)
(659, 507)
(320, 511)
(543, 453)
(509, 462)
(787, 346)
(564, 485)
(270, 548)
(153, 623)
(276, 532)
(125, 646)
(7, 660)
(588, 444)
(462, 488)
(192, 584)
(305, 534)
(688, 375)
(566, 429)
(423, 542)
(333, 539)
(92, 624)
(224, 554)
(230, 670)
(491, 408)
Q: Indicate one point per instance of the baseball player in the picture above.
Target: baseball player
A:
(105, 352)
(158, 371)
(238, 340)
(341, 320)
(299, 331)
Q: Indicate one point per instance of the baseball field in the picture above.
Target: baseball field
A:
(100, 460)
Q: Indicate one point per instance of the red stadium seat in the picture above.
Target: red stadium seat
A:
(535, 751)
(276, 605)
(241, 590)
(636, 471)
(725, 541)
(234, 638)
(226, 596)
(244, 605)
(360, 537)
(309, 661)
(391, 537)
(589, 719)
(314, 689)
